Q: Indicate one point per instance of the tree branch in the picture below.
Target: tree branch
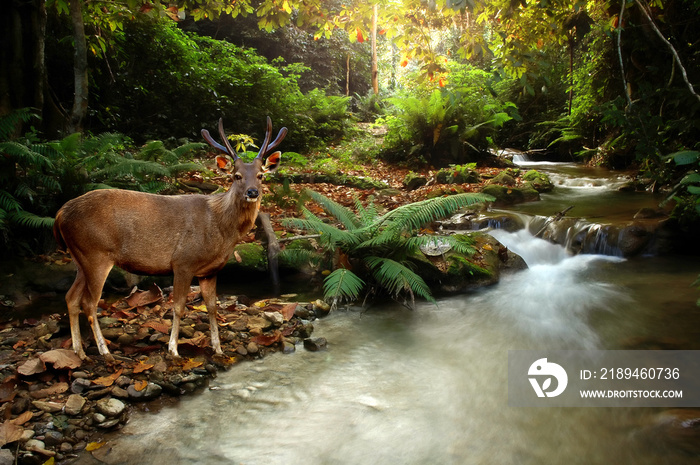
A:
(669, 45)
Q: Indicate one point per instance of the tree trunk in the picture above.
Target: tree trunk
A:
(375, 73)
(347, 76)
(80, 68)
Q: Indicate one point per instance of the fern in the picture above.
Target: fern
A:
(11, 121)
(381, 244)
(31, 220)
(342, 284)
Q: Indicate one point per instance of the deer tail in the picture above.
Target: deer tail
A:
(57, 231)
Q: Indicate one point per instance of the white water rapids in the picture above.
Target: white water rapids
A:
(430, 386)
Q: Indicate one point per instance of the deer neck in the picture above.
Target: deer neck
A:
(234, 215)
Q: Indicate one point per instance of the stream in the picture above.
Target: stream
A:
(429, 386)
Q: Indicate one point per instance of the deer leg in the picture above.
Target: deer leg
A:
(73, 298)
(208, 288)
(91, 298)
(181, 286)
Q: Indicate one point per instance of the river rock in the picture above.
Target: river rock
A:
(679, 428)
(74, 404)
(80, 385)
(252, 348)
(53, 438)
(49, 407)
(151, 391)
(315, 344)
(275, 318)
(110, 407)
(6, 457)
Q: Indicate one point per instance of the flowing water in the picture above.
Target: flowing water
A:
(429, 386)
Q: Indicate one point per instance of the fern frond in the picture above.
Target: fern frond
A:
(154, 187)
(184, 168)
(414, 243)
(368, 214)
(329, 233)
(24, 155)
(128, 166)
(298, 258)
(8, 202)
(397, 278)
(185, 149)
(31, 220)
(10, 121)
(343, 214)
(342, 284)
(410, 217)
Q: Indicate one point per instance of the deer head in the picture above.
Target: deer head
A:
(247, 177)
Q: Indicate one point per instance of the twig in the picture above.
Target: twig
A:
(310, 236)
(670, 46)
(556, 217)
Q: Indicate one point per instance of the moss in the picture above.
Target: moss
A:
(458, 174)
(538, 181)
(253, 256)
(503, 178)
(413, 181)
(506, 195)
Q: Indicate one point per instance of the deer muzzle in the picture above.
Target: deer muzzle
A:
(251, 195)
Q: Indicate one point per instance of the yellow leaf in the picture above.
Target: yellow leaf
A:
(260, 304)
(140, 385)
(487, 247)
(143, 366)
(191, 363)
(200, 308)
(94, 445)
(326, 272)
(50, 461)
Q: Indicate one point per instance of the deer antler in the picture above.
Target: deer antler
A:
(266, 147)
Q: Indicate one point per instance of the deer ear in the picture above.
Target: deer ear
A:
(272, 162)
(222, 161)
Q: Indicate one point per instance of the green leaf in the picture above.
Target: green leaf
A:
(398, 278)
(685, 157)
(342, 284)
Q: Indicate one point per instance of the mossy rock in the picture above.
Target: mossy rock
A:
(506, 195)
(253, 257)
(539, 181)
(443, 191)
(504, 179)
(460, 174)
(413, 181)
(454, 272)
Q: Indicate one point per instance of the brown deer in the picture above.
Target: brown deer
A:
(183, 235)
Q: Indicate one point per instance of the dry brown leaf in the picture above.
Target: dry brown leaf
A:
(31, 367)
(191, 363)
(288, 311)
(61, 358)
(140, 385)
(142, 298)
(52, 390)
(158, 326)
(142, 366)
(265, 340)
(108, 380)
(23, 418)
(9, 432)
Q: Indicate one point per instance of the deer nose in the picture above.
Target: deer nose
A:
(252, 193)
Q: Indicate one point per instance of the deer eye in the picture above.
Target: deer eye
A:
(238, 176)
(260, 175)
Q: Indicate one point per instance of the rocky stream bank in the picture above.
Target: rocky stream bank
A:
(56, 405)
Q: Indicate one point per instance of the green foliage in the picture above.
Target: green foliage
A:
(686, 192)
(193, 80)
(379, 247)
(454, 124)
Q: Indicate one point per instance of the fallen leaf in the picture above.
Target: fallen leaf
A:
(7, 389)
(31, 367)
(58, 388)
(140, 385)
(50, 461)
(200, 308)
(191, 363)
(267, 340)
(108, 380)
(288, 311)
(142, 298)
(142, 366)
(23, 418)
(94, 445)
(9, 432)
(158, 326)
(61, 358)
(487, 247)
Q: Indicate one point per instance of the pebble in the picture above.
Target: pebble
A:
(53, 438)
(151, 391)
(315, 344)
(252, 348)
(74, 404)
(275, 318)
(6, 457)
(80, 385)
(49, 407)
(288, 347)
(111, 407)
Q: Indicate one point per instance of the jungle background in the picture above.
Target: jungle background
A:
(114, 94)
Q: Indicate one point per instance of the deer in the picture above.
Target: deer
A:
(188, 236)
